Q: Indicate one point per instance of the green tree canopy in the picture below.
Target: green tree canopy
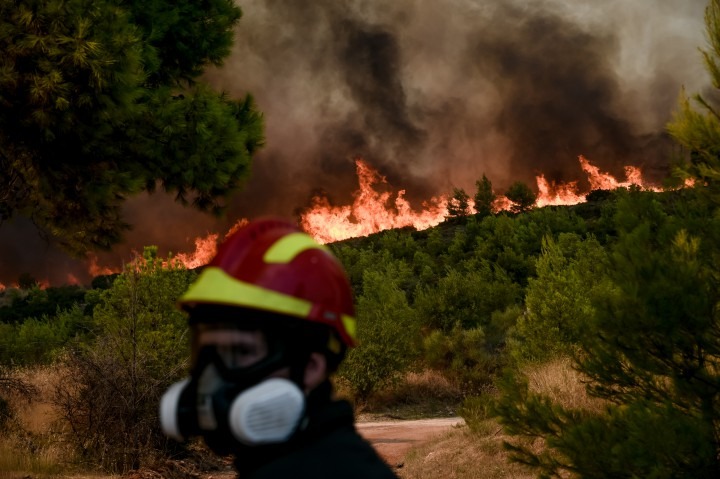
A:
(699, 131)
(484, 197)
(558, 302)
(99, 101)
(459, 205)
(652, 348)
(522, 197)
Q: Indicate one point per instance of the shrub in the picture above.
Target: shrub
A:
(387, 334)
(467, 298)
(464, 355)
(476, 411)
(558, 301)
(112, 387)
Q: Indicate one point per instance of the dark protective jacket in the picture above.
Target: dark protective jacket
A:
(329, 447)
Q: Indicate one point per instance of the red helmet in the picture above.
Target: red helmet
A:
(271, 265)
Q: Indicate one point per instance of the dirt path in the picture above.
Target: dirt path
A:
(393, 439)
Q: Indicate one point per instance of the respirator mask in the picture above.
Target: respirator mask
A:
(232, 407)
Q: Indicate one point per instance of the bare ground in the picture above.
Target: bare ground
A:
(393, 439)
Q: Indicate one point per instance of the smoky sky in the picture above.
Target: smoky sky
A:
(433, 95)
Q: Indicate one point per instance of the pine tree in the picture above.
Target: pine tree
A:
(459, 204)
(484, 197)
(652, 348)
(522, 197)
(99, 100)
(651, 352)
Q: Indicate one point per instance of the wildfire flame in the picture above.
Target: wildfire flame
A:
(568, 193)
(96, 270)
(205, 249)
(371, 211)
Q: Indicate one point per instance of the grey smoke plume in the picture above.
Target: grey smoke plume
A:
(433, 95)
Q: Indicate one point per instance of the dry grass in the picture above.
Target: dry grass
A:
(460, 454)
(564, 385)
(33, 447)
(39, 414)
(17, 462)
(422, 394)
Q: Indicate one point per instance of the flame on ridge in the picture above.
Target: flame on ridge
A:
(205, 249)
(568, 193)
(371, 211)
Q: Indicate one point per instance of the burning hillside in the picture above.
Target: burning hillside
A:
(431, 94)
(375, 208)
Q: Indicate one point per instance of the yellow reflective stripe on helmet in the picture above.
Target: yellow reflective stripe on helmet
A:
(289, 246)
(349, 324)
(216, 286)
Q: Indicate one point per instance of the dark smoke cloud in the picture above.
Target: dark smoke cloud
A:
(558, 93)
(433, 94)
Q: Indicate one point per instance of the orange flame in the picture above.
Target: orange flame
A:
(96, 270)
(205, 249)
(373, 211)
(552, 194)
(72, 279)
(370, 212)
(240, 223)
(2, 287)
(568, 194)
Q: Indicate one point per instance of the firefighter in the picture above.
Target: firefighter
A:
(271, 318)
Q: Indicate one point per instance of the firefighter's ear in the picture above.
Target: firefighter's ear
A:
(315, 371)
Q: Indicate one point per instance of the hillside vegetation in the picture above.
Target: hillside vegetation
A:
(468, 299)
(623, 292)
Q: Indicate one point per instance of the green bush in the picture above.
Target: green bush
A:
(476, 411)
(40, 341)
(387, 333)
(110, 395)
(467, 298)
(463, 354)
(558, 302)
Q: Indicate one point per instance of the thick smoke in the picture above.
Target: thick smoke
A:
(433, 95)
